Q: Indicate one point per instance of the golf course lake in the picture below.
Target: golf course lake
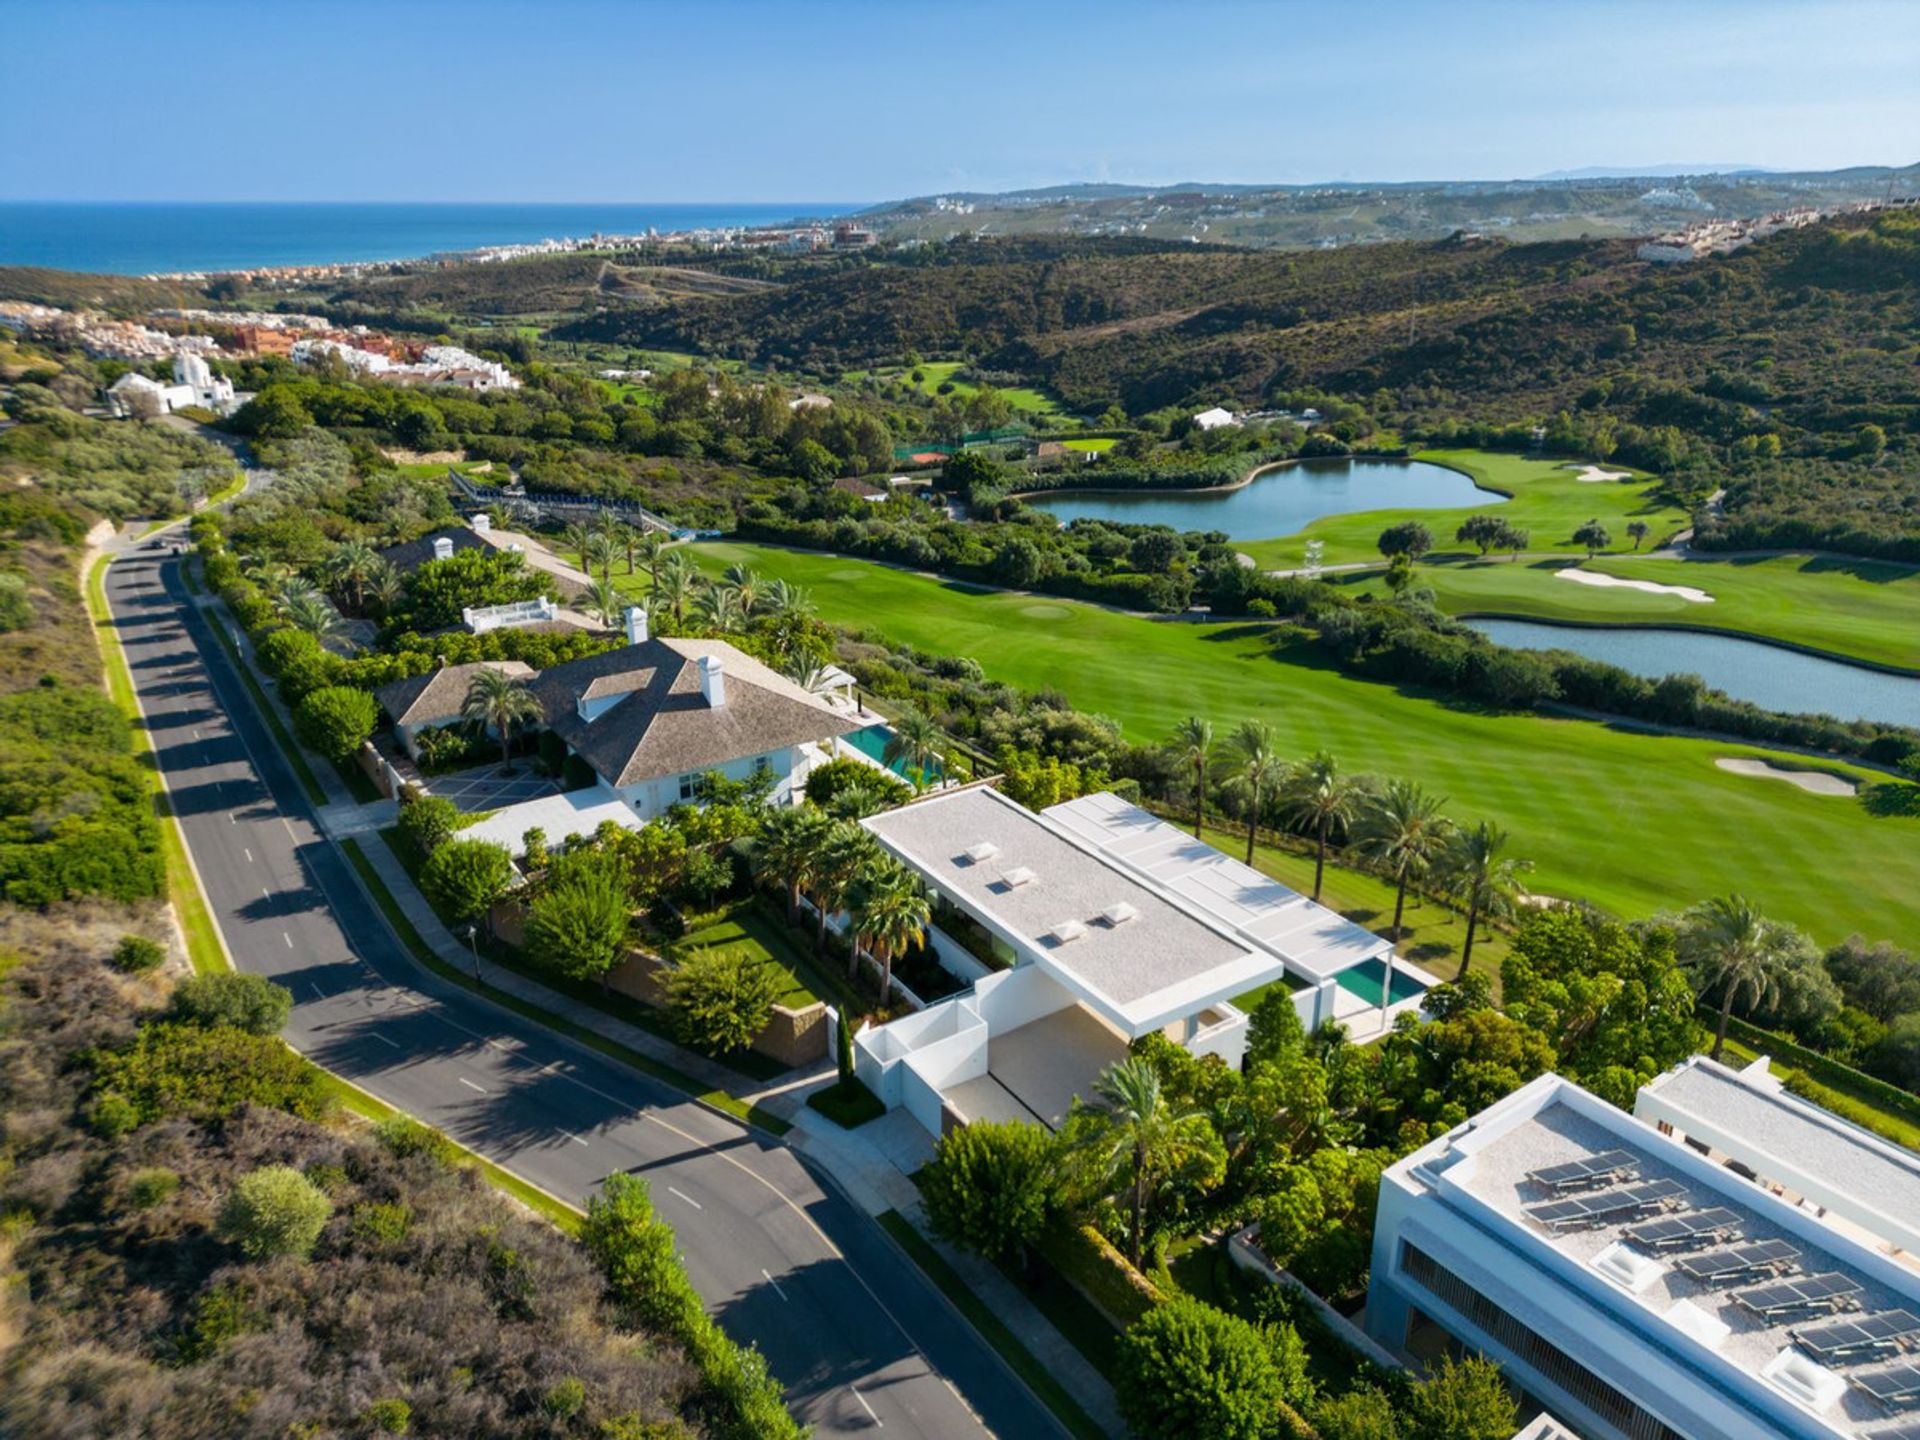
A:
(1283, 500)
(1768, 675)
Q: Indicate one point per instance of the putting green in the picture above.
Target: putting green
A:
(1637, 823)
(1868, 609)
(1045, 612)
(1549, 501)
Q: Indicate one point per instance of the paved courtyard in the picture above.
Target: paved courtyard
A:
(485, 787)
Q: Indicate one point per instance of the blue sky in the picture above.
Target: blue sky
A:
(736, 100)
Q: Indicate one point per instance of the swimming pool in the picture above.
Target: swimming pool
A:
(872, 742)
(1364, 980)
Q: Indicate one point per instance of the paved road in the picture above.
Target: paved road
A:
(861, 1340)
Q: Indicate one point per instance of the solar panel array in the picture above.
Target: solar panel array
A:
(1738, 1264)
(1895, 1386)
(1687, 1230)
(1589, 1172)
(1822, 1294)
(1860, 1337)
(1579, 1212)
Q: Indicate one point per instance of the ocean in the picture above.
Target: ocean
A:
(163, 237)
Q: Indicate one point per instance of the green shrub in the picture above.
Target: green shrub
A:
(565, 1398)
(150, 1187)
(992, 1187)
(404, 1136)
(427, 820)
(380, 1223)
(200, 1072)
(273, 1212)
(251, 1003)
(390, 1416)
(335, 720)
(219, 1315)
(721, 998)
(136, 954)
(1187, 1369)
(463, 878)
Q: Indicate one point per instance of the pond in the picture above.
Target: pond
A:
(1768, 675)
(1283, 500)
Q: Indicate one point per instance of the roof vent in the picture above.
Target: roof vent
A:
(1018, 876)
(1120, 914)
(1812, 1385)
(1627, 1268)
(981, 853)
(1068, 931)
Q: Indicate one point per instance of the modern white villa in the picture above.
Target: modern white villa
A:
(1091, 924)
(1729, 1261)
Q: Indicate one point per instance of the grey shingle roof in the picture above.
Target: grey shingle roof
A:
(415, 553)
(438, 695)
(664, 725)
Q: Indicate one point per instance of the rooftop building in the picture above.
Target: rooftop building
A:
(1639, 1288)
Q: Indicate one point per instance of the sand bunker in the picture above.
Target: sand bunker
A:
(1816, 782)
(1614, 582)
(1594, 475)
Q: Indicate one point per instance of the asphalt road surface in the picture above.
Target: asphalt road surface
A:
(861, 1340)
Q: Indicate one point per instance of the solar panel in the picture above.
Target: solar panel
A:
(1688, 1230)
(1860, 1337)
(1813, 1294)
(1740, 1263)
(1896, 1386)
(1899, 1430)
(1589, 1172)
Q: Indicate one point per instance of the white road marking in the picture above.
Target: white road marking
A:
(244, 850)
(573, 1137)
(775, 1283)
(471, 1086)
(878, 1423)
(549, 1068)
(318, 994)
(383, 1039)
(288, 938)
(688, 1198)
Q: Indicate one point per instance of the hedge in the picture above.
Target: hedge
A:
(1827, 1070)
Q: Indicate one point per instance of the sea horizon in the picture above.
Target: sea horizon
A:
(146, 237)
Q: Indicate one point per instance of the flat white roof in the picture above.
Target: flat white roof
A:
(1164, 963)
(1315, 942)
(577, 812)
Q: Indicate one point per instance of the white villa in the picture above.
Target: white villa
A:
(1215, 418)
(194, 383)
(1105, 923)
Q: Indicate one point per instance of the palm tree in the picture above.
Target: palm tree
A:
(1404, 831)
(890, 912)
(267, 574)
(917, 743)
(1474, 869)
(604, 598)
(578, 537)
(744, 585)
(1730, 946)
(675, 582)
(306, 607)
(384, 587)
(847, 852)
(646, 543)
(721, 610)
(790, 846)
(351, 565)
(1141, 1135)
(435, 743)
(602, 549)
(500, 702)
(1257, 769)
(1193, 744)
(1317, 797)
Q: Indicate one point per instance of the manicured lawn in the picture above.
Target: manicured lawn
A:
(1024, 400)
(1094, 447)
(1865, 608)
(1636, 823)
(747, 927)
(1547, 501)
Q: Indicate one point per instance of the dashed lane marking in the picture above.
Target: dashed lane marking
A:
(688, 1198)
(773, 1282)
(471, 1086)
(878, 1423)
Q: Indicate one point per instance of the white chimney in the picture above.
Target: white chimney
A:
(481, 523)
(636, 625)
(713, 680)
(442, 547)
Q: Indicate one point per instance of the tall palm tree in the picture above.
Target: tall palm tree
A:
(351, 565)
(1404, 832)
(890, 913)
(745, 586)
(577, 537)
(1193, 746)
(790, 845)
(267, 574)
(1474, 868)
(918, 744)
(1257, 770)
(845, 855)
(1729, 946)
(501, 702)
(602, 549)
(1317, 797)
(675, 582)
(721, 610)
(305, 608)
(1141, 1137)
(384, 587)
(647, 543)
(605, 599)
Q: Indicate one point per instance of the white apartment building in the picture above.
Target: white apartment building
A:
(194, 384)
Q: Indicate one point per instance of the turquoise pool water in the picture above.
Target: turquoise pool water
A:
(1364, 980)
(872, 742)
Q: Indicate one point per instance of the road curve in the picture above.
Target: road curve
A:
(856, 1333)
